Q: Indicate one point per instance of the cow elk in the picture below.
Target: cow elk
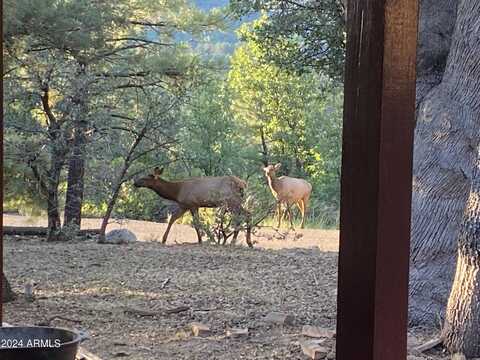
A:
(201, 192)
(288, 191)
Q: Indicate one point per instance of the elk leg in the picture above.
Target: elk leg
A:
(239, 215)
(248, 235)
(305, 208)
(301, 206)
(176, 214)
(196, 223)
(279, 212)
(290, 217)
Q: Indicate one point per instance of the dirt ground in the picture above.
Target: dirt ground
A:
(102, 289)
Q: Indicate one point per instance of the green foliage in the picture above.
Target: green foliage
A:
(210, 140)
(290, 118)
(102, 64)
(298, 35)
(121, 69)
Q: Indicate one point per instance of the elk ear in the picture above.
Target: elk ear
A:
(278, 166)
(157, 172)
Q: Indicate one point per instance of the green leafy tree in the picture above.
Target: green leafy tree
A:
(299, 35)
(211, 142)
(71, 64)
(291, 118)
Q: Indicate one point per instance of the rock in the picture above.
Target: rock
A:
(199, 329)
(237, 332)
(411, 357)
(313, 349)
(459, 356)
(120, 236)
(317, 332)
(280, 318)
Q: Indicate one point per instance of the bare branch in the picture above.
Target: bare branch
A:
(151, 24)
(140, 40)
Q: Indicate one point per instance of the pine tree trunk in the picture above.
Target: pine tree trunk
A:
(7, 293)
(462, 324)
(75, 183)
(448, 124)
(76, 165)
(53, 213)
(58, 152)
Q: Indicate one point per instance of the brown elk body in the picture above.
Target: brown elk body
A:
(195, 193)
(288, 191)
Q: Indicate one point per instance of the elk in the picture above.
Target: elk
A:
(195, 193)
(288, 190)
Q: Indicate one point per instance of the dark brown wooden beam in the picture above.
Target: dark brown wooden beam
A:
(1, 173)
(376, 180)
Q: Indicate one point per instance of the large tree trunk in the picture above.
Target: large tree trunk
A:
(448, 124)
(436, 26)
(76, 165)
(462, 324)
(58, 152)
(53, 213)
(75, 183)
(7, 293)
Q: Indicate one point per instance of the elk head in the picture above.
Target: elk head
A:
(149, 180)
(270, 170)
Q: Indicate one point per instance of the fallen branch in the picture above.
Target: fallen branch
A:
(205, 310)
(40, 231)
(142, 312)
(177, 310)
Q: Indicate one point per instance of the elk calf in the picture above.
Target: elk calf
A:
(288, 190)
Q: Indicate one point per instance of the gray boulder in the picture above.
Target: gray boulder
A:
(120, 236)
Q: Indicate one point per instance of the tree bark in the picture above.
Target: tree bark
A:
(53, 213)
(58, 152)
(435, 30)
(462, 324)
(49, 188)
(448, 124)
(75, 186)
(7, 293)
(76, 165)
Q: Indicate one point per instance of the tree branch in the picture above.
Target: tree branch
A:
(139, 40)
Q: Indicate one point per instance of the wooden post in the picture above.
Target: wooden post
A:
(1, 179)
(376, 180)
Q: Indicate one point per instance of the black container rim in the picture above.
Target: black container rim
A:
(76, 335)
